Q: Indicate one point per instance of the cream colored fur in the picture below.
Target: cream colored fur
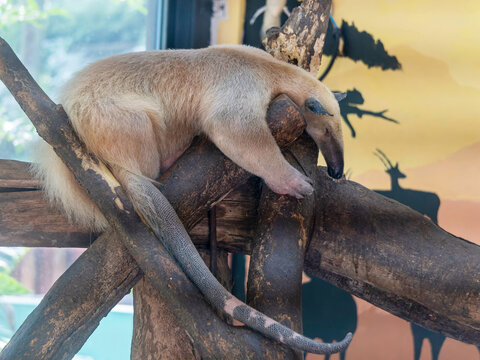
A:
(137, 112)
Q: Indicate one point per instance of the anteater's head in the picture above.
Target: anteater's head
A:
(324, 125)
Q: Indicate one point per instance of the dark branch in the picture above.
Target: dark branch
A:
(284, 227)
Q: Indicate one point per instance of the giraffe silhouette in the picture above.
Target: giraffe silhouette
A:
(349, 106)
(328, 312)
(426, 203)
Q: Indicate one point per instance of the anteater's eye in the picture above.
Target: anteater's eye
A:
(316, 107)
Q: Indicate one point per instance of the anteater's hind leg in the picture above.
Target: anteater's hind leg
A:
(125, 141)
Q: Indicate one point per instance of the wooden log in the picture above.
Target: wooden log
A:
(418, 243)
(157, 334)
(14, 177)
(236, 218)
(284, 224)
(284, 227)
(453, 325)
(28, 219)
(395, 258)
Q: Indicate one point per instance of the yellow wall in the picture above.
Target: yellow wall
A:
(230, 31)
(434, 97)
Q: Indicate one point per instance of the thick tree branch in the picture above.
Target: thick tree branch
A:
(395, 258)
(284, 227)
(284, 223)
(157, 334)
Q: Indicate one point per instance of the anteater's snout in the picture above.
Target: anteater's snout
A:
(335, 172)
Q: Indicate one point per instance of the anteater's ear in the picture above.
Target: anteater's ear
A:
(340, 96)
(313, 105)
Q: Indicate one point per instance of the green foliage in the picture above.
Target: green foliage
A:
(105, 25)
(10, 286)
(12, 12)
(16, 133)
(138, 5)
(56, 38)
(9, 257)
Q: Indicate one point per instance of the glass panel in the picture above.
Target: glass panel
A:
(56, 38)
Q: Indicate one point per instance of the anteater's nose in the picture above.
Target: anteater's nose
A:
(335, 173)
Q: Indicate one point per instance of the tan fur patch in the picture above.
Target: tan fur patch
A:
(138, 111)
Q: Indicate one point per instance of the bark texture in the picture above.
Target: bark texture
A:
(395, 258)
(157, 332)
(27, 219)
(284, 227)
(300, 40)
(398, 232)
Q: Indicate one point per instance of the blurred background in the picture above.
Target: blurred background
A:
(411, 71)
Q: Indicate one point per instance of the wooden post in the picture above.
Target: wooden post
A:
(284, 227)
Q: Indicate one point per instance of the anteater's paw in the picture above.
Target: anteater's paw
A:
(295, 184)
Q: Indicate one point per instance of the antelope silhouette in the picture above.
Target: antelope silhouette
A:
(328, 312)
(426, 203)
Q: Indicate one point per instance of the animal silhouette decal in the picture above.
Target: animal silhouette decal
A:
(328, 312)
(426, 203)
(350, 106)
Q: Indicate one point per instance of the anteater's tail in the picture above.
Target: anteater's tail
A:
(179, 244)
(60, 188)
